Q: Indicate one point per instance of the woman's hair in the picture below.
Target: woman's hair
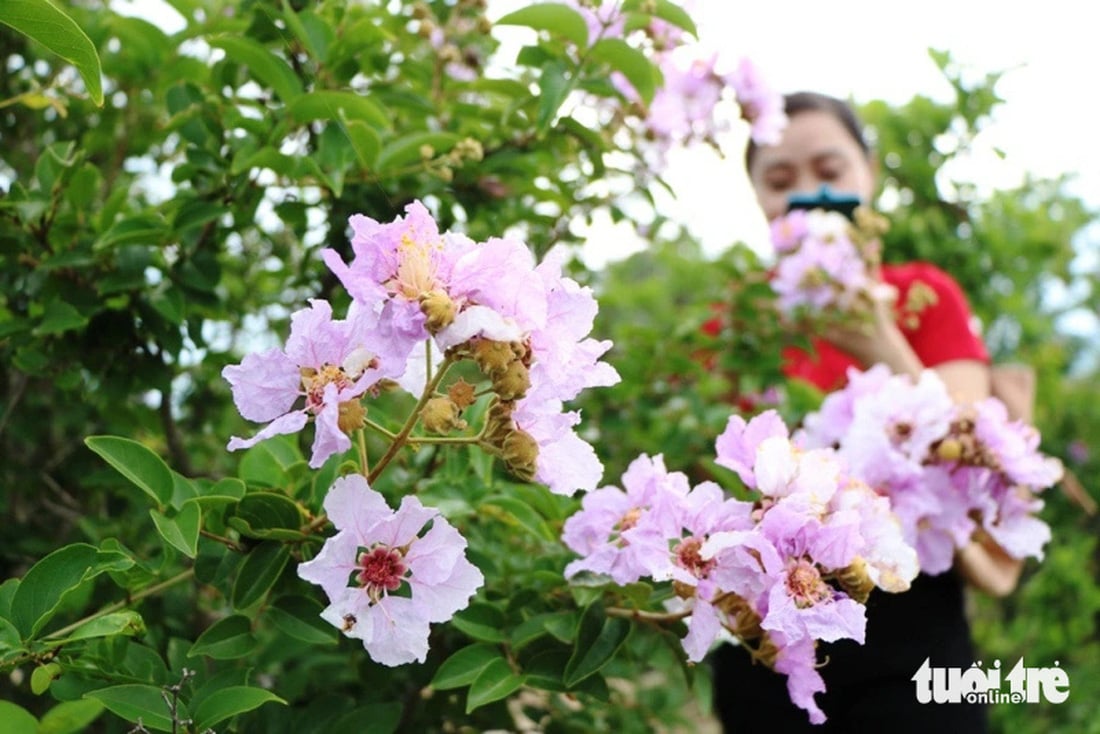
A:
(797, 102)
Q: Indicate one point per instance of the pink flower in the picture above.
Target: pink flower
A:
(761, 105)
(331, 363)
(623, 533)
(1015, 446)
(737, 446)
(386, 577)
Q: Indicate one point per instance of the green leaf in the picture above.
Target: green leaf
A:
(337, 106)
(144, 229)
(127, 622)
(556, 18)
(43, 676)
(264, 65)
(265, 464)
(47, 582)
(665, 10)
(134, 701)
(463, 668)
(497, 680)
(554, 86)
(599, 637)
(405, 151)
(300, 617)
(17, 720)
(137, 463)
(632, 63)
(181, 531)
(59, 318)
(481, 621)
(267, 516)
(258, 573)
(168, 302)
(374, 718)
(365, 141)
(517, 513)
(47, 24)
(226, 639)
(70, 717)
(228, 702)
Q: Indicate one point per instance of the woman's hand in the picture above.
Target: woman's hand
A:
(878, 340)
(987, 567)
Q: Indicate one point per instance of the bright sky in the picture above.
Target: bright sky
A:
(869, 49)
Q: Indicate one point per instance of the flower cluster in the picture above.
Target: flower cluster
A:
(421, 301)
(826, 262)
(779, 573)
(948, 469)
(413, 290)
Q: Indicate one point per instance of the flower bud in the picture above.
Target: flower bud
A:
(353, 416)
(498, 423)
(439, 309)
(493, 357)
(684, 591)
(441, 415)
(462, 394)
(427, 152)
(513, 383)
(855, 580)
(520, 451)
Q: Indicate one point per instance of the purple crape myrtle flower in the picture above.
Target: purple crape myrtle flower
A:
(622, 532)
(1010, 518)
(683, 108)
(788, 231)
(1015, 447)
(761, 105)
(935, 512)
(389, 574)
(737, 445)
(821, 273)
(330, 363)
(829, 425)
(798, 661)
(892, 431)
(891, 562)
(705, 511)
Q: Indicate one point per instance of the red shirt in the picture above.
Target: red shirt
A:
(940, 331)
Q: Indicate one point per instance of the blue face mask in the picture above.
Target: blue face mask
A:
(827, 199)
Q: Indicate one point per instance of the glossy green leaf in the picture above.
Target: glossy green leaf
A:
(630, 62)
(47, 582)
(335, 106)
(226, 639)
(496, 680)
(265, 464)
(481, 621)
(599, 637)
(406, 151)
(70, 717)
(127, 622)
(142, 229)
(17, 720)
(264, 65)
(134, 701)
(267, 515)
(519, 514)
(49, 25)
(258, 573)
(365, 141)
(555, 18)
(374, 718)
(229, 702)
(182, 530)
(59, 318)
(554, 86)
(43, 676)
(137, 463)
(665, 10)
(463, 667)
(300, 617)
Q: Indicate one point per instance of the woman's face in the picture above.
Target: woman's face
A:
(816, 149)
